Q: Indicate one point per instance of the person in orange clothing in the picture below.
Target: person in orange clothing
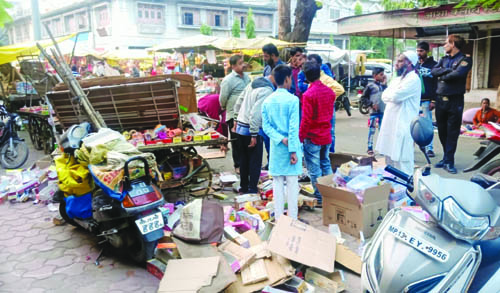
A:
(486, 114)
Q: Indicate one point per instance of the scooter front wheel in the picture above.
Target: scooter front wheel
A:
(492, 169)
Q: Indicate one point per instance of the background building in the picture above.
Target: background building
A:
(137, 24)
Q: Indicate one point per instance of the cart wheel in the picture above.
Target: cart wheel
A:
(48, 137)
(35, 131)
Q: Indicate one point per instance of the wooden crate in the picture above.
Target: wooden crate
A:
(123, 104)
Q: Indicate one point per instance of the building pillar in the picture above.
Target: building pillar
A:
(487, 60)
(475, 66)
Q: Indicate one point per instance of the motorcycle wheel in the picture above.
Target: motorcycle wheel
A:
(142, 251)
(11, 161)
(492, 169)
(363, 109)
(347, 106)
(337, 105)
(64, 215)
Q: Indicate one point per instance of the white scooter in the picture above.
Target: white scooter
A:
(457, 251)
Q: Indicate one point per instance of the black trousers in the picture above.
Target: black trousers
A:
(250, 163)
(449, 110)
(235, 146)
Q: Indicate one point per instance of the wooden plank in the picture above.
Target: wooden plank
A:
(254, 273)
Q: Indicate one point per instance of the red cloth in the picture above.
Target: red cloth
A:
(295, 78)
(210, 105)
(317, 113)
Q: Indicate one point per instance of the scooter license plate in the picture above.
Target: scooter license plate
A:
(150, 223)
(427, 248)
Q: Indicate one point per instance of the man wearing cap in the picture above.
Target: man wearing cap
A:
(451, 72)
(402, 99)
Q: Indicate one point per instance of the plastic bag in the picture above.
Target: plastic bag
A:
(74, 178)
(201, 221)
(361, 182)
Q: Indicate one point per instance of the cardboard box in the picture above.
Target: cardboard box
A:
(337, 159)
(348, 258)
(180, 277)
(343, 208)
(302, 243)
(332, 282)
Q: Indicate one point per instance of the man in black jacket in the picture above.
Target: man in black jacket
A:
(451, 72)
(424, 67)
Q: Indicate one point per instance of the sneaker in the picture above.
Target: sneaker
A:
(450, 168)
(370, 152)
(440, 164)
(431, 154)
(304, 178)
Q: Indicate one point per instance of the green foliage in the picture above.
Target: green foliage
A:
(4, 16)
(493, 4)
(331, 42)
(250, 26)
(381, 46)
(401, 4)
(319, 4)
(236, 30)
(205, 30)
(358, 8)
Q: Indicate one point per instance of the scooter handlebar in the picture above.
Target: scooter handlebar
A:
(397, 173)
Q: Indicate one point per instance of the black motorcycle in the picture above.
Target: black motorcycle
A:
(131, 223)
(13, 150)
(342, 101)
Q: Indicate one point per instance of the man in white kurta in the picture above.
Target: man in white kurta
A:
(402, 99)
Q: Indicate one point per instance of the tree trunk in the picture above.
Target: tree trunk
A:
(285, 24)
(304, 15)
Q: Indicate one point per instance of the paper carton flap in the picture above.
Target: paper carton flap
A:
(377, 193)
(326, 190)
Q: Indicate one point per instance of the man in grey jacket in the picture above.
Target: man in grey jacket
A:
(247, 111)
(230, 89)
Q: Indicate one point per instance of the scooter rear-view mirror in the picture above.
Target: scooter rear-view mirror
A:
(422, 132)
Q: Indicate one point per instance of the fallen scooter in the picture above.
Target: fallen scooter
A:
(487, 152)
(132, 222)
(457, 251)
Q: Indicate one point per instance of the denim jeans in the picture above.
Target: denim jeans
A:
(332, 147)
(373, 127)
(426, 113)
(317, 163)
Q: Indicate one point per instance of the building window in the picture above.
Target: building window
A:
(150, 13)
(69, 23)
(334, 13)
(82, 20)
(242, 22)
(102, 16)
(263, 21)
(217, 18)
(188, 18)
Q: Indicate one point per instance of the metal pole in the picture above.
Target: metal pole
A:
(349, 75)
(35, 18)
(73, 51)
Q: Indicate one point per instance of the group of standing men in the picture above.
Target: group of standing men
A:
(290, 110)
(421, 85)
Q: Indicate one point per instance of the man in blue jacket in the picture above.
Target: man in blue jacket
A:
(424, 67)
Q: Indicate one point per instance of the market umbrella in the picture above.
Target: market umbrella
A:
(11, 52)
(200, 42)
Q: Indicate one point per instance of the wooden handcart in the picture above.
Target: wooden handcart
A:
(126, 104)
(40, 131)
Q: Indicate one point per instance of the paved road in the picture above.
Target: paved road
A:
(37, 256)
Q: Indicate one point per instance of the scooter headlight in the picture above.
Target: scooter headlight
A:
(462, 225)
(429, 201)
(18, 121)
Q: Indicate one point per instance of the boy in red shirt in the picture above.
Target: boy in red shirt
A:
(316, 125)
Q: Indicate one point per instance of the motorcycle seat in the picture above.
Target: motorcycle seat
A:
(483, 180)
